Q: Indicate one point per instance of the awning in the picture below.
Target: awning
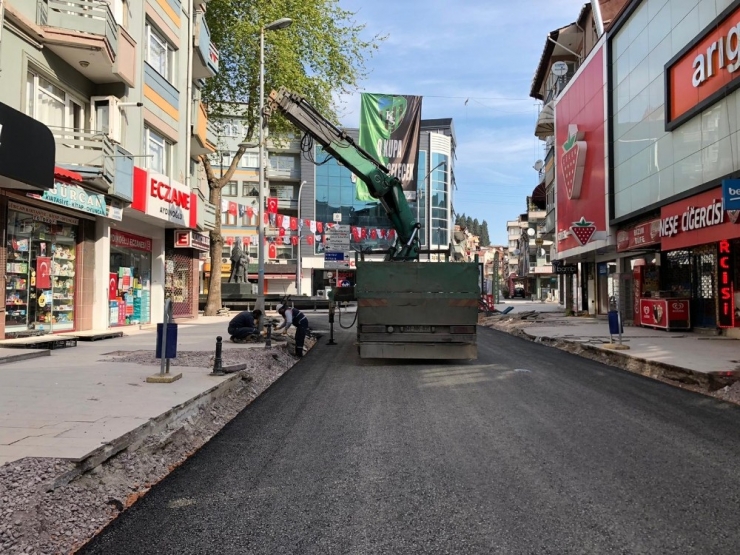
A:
(62, 173)
(27, 152)
(539, 196)
(545, 122)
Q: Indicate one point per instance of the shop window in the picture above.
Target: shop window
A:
(129, 290)
(41, 267)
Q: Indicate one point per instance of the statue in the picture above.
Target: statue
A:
(239, 265)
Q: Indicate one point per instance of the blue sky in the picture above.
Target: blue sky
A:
(485, 51)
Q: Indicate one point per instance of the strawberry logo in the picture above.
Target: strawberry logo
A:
(583, 230)
(573, 160)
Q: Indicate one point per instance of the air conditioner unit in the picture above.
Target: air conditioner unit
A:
(224, 261)
(321, 293)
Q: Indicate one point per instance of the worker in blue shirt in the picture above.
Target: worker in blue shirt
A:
(244, 325)
(293, 316)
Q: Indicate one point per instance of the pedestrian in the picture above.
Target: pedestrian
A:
(244, 325)
(298, 319)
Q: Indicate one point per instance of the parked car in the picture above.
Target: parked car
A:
(518, 292)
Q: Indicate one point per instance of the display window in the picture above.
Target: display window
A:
(40, 271)
(129, 288)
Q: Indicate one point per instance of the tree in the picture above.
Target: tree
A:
(320, 55)
(475, 227)
(485, 240)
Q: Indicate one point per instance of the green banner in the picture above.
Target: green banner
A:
(389, 130)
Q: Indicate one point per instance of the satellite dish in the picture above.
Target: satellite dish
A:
(531, 232)
(538, 165)
(559, 68)
(517, 252)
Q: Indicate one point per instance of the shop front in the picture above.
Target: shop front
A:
(638, 248)
(700, 239)
(166, 207)
(41, 270)
(130, 279)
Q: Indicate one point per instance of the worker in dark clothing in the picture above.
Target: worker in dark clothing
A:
(244, 325)
(293, 316)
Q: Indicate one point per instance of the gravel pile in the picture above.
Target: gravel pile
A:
(46, 507)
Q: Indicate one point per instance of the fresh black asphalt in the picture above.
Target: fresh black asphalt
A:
(526, 450)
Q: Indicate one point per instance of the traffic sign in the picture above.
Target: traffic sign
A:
(333, 256)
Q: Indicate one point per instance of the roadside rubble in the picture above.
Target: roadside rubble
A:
(47, 506)
(517, 323)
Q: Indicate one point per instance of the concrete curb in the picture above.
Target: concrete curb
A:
(25, 356)
(135, 438)
(708, 381)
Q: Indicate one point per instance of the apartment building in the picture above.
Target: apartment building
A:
(122, 226)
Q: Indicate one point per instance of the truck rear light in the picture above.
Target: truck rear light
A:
(462, 329)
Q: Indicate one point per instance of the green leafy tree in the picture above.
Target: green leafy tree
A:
(322, 54)
(475, 227)
(485, 240)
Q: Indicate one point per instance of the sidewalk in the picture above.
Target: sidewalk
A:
(81, 401)
(705, 360)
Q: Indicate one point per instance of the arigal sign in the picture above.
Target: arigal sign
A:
(704, 70)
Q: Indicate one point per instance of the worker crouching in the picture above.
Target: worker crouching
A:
(293, 316)
(244, 326)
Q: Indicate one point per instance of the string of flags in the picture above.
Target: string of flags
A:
(291, 230)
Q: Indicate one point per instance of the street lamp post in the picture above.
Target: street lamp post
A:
(275, 25)
(299, 270)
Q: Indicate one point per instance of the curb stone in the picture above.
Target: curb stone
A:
(707, 381)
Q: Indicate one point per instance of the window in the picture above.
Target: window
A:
(159, 151)
(250, 160)
(52, 105)
(231, 189)
(228, 219)
(226, 158)
(250, 189)
(159, 54)
(282, 162)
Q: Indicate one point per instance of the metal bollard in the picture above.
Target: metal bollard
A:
(268, 338)
(331, 324)
(218, 368)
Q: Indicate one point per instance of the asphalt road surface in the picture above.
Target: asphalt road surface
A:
(526, 450)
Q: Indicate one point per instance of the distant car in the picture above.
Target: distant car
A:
(518, 292)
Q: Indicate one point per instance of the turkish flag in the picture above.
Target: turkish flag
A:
(266, 217)
(310, 240)
(250, 212)
(232, 208)
(272, 205)
(307, 223)
(112, 286)
(319, 227)
(279, 220)
(229, 241)
(381, 233)
(281, 232)
(293, 223)
(373, 233)
(355, 233)
(363, 233)
(391, 234)
(43, 272)
(272, 250)
(294, 240)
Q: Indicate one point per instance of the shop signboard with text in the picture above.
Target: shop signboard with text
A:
(187, 239)
(697, 220)
(705, 70)
(639, 236)
(77, 198)
(160, 197)
(125, 240)
(726, 286)
(580, 119)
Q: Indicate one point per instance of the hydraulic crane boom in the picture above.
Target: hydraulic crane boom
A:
(381, 185)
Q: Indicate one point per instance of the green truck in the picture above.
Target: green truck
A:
(406, 308)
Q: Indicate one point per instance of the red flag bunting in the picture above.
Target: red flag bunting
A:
(293, 223)
(310, 240)
(232, 208)
(250, 212)
(279, 220)
(272, 250)
(272, 205)
(294, 240)
(281, 232)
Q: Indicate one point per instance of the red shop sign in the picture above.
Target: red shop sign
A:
(696, 220)
(130, 241)
(641, 235)
(726, 287)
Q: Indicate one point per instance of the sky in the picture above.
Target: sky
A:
(473, 61)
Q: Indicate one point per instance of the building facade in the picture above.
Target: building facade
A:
(674, 102)
(119, 89)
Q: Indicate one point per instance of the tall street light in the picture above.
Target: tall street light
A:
(281, 23)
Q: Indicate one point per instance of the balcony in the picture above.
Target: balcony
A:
(205, 60)
(200, 144)
(102, 164)
(206, 213)
(84, 33)
(283, 173)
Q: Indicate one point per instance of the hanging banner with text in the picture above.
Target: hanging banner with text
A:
(389, 130)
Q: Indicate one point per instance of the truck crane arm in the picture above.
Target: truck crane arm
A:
(381, 185)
